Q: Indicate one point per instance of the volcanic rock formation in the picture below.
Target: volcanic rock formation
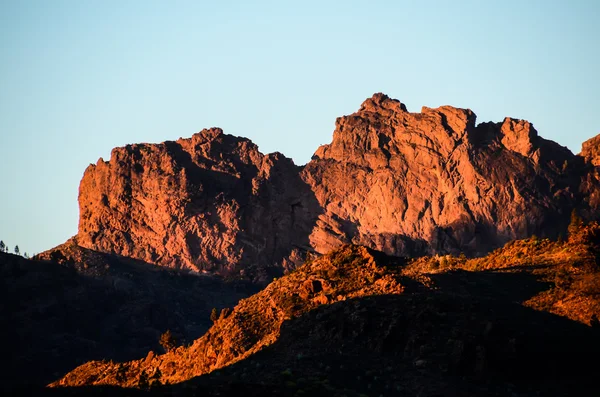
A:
(404, 183)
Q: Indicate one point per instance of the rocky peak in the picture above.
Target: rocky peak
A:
(208, 203)
(590, 150)
(518, 136)
(401, 182)
(455, 120)
(381, 103)
(404, 182)
(383, 126)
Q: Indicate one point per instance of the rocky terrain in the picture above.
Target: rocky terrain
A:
(521, 321)
(400, 182)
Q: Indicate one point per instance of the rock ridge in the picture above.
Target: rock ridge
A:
(400, 182)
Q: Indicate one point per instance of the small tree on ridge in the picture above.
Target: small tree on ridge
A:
(168, 341)
(576, 223)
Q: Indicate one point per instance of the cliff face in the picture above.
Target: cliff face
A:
(434, 181)
(404, 183)
(211, 202)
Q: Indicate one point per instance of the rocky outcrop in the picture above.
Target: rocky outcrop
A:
(434, 181)
(590, 150)
(209, 203)
(404, 183)
(589, 166)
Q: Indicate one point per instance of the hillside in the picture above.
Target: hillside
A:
(73, 305)
(521, 321)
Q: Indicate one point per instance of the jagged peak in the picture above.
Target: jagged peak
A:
(518, 135)
(210, 133)
(381, 101)
(590, 150)
(457, 119)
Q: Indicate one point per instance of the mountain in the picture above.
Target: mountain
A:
(212, 202)
(435, 182)
(400, 182)
(521, 321)
(371, 257)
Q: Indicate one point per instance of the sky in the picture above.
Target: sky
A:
(80, 77)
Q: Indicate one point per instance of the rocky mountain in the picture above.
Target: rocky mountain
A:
(172, 236)
(401, 182)
(212, 203)
(521, 321)
(435, 181)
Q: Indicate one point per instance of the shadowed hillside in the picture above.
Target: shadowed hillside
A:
(521, 321)
(85, 305)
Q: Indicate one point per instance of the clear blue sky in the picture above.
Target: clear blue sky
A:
(78, 78)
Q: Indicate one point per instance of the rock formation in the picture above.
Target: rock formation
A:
(404, 183)
(435, 181)
(211, 202)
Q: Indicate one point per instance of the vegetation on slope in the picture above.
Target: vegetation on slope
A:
(255, 322)
(569, 268)
(520, 321)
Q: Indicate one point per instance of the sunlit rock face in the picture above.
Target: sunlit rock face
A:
(209, 203)
(435, 181)
(405, 183)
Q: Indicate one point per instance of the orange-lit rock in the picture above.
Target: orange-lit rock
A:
(405, 183)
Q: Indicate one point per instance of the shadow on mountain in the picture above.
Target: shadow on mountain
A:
(469, 337)
(503, 286)
(58, 316)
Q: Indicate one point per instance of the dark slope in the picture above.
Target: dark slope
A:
(522, 321)
(87, 305)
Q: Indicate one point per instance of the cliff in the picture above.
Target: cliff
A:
(401, 182)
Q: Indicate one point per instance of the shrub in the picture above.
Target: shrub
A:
(168, 341)
(214, 315)
(143, 381)
(576, 223)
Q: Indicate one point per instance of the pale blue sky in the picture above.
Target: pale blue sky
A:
(78, 78)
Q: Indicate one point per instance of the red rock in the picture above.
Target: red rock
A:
(405, 183)
(212, 202)
(434, 181)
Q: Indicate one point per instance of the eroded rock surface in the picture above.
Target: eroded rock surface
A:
(434, 181)
(404, 183)
(212, 202)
